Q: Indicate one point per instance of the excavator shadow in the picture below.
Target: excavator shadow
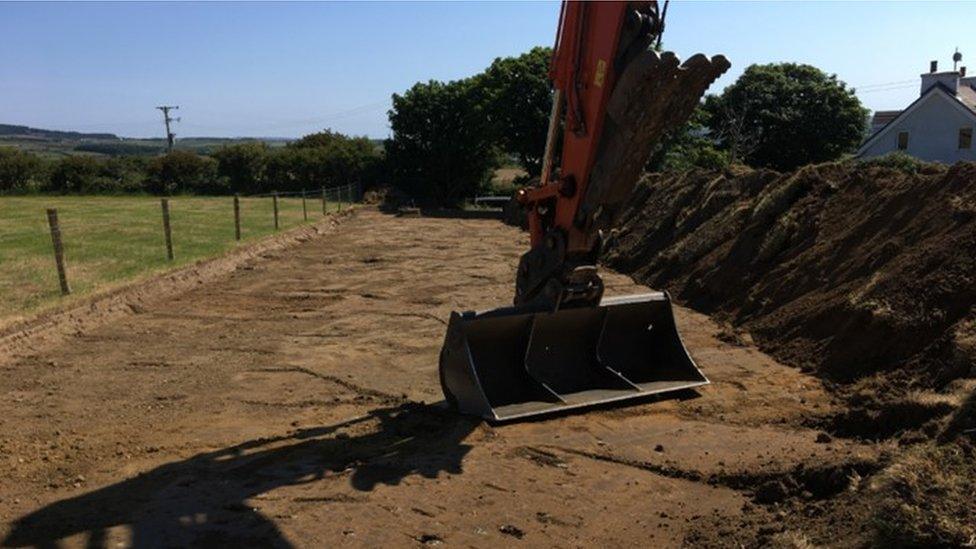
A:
(203, 500)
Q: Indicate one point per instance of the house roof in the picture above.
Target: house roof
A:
(965, 100)
(881, 118)
(968, 96)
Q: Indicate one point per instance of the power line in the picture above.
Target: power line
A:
(891, 88)
(885, 84)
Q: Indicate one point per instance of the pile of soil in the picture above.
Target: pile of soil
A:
(862, 273)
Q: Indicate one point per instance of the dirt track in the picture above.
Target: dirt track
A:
(284, 405)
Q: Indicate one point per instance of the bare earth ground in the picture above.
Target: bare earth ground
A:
(284, 405)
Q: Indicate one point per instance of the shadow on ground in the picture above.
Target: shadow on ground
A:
(446, 213)
(203, 500)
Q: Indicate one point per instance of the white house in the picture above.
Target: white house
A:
(937, 127)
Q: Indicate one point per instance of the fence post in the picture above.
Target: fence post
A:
(304, 208)
(166, 229)
(52, 221)
(237, 217)
(274, 197)
(323, 200)
(338, 199)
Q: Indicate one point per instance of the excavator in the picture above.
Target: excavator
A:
(562, 345)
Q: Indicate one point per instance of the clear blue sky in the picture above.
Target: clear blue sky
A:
(258, 69)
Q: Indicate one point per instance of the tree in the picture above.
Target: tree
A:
(339, 159)
(126, 173)
(518, 102)
(78, 174)
(17, 169)
(324, 159)
(787, 115)
(183, 172)
(690, 146)
(442, 148)
(244, 165)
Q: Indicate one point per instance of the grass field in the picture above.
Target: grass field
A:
(110, 240)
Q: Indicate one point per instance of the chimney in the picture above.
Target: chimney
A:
(948, 79)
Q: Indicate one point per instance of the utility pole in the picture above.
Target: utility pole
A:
(170, 136)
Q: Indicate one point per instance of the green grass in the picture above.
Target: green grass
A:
(112, 240)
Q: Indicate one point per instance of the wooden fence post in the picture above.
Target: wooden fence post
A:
(274, 197)
(237, 217)
(338, 199)
(323, 200)
(52, 221)
(166, 229)
(304, 208)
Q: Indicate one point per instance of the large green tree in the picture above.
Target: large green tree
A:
(786, 115)
(244, 165)
(183, 172)
(324, 159)
(518, 98)
(442, 148)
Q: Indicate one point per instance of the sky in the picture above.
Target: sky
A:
(288, 69)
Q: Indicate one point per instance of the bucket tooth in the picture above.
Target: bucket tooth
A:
(507, 364)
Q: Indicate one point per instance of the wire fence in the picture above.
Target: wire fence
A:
(97, 239)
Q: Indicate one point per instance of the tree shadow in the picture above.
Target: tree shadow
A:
(203, 500)
(447, 213)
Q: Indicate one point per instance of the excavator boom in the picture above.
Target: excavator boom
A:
(562, 346)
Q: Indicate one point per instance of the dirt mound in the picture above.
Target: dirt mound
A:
(845, 269)
(862, 273)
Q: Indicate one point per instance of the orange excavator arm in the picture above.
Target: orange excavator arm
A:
(583, 78)
(614, 98)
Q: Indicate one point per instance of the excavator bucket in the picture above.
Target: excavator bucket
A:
(509, 364)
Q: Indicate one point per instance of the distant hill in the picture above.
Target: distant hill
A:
(56, 143)
(8, 130)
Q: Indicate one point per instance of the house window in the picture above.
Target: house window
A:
(965, 138)
(902, 141)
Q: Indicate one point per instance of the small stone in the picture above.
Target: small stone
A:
(659, 448)
(510, 530)
(823, 438)
(430, 539)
